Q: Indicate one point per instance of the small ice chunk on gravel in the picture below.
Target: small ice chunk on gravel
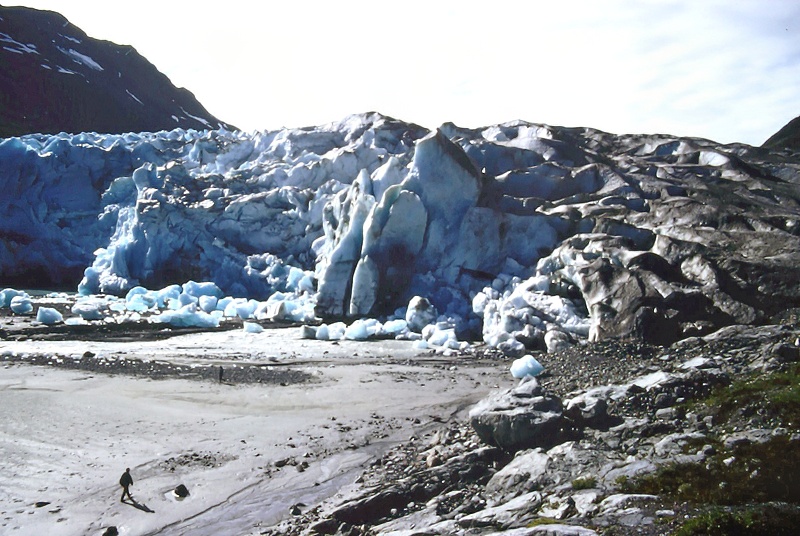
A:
(21, 305)
(252, 327)
(47, 315)
(526, 365)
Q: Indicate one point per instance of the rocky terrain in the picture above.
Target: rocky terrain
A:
(54, 78)
(620, 437)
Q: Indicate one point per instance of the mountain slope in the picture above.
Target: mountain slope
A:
(787, 137)
(54, 78)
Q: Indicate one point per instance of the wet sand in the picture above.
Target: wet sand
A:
(246, 449)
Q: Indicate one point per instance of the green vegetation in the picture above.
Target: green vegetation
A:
(772, 519)
(749, 473)
(775, 396)
(543, 521)
(748, 489)
(584, 483)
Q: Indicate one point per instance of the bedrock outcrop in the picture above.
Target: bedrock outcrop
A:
(662, 439)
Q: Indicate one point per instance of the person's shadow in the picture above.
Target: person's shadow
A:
(139, 506)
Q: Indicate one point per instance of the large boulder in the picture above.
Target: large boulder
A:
(524, 417)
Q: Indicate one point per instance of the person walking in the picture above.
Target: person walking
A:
(126, 480)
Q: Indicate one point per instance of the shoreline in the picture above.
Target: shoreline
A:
(322, 413)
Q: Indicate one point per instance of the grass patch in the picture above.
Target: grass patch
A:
(543, 521)
(776, 396)
(772, 519)
(748, 474)
(584, 483)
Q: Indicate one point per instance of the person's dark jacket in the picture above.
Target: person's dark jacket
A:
(126, 480)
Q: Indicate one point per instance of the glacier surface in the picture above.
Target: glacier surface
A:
(524, 235)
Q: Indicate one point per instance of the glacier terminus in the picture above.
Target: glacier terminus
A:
(523, 235)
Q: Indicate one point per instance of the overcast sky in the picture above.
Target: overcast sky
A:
(728, 70)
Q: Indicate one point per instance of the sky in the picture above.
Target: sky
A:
(726, 70)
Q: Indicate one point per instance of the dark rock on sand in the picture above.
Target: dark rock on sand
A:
(523, 417)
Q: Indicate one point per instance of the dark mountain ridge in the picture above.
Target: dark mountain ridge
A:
(54, 78)
(787, 137)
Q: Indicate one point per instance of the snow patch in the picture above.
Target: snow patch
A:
(16, 46)
(72, 39)
(134, 97)
(82, 59)
(196, 118)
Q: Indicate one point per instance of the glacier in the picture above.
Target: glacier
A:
(524, 236)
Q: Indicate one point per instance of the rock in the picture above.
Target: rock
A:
(628, 471)
(420, 313)
(747, 437)
(111, 531)
(460, 487)
(434, 459)
(553, 529)
(308, 332)
(371, 508)
(666, 414)
(586, 502)
(528, 471)
(786, 353)
(515, 511)
(590, 411)
(664, 400)
(556, 340)
(624, 509)
(559, 508)
(283, 462)
(620, 501)
(181, 491)
(697, 362)
(674, 444)
(556, 530)
(326, 526)
(520, 418)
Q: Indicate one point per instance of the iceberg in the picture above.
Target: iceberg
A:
(91, 308)
(7, 296)
(48, 315)
(526, 365)
(21, 305)
(252, 327)
(187, 316)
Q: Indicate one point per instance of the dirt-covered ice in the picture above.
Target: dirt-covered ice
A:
(246, 452)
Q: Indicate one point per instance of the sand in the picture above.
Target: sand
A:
(246, 452)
